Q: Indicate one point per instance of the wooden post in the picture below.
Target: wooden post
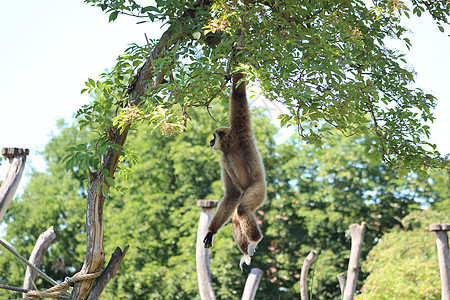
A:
(252, 283)
(444, 257)
(44, 241)
(17, 158)
(202, 255)
(304, 275)
(357, 234)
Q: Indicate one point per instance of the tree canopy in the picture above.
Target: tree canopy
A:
(326, 61)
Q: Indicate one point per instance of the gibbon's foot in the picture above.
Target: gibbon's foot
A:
(208, 240)
(252, 248)
(246, 259)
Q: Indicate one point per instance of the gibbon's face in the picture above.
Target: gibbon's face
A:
(218, 135)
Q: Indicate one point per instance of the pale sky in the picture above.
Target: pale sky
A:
(49, 48)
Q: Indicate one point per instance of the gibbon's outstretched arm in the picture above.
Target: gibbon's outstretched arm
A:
(227, 205)
(239, 117)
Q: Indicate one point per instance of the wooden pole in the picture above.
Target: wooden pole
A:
(43, 242)
(252, 283)
(304, 275)
(357, 234)
(444, 257)
(17, 158)
(202, 254)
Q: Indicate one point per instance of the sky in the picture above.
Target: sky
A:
(49, 48)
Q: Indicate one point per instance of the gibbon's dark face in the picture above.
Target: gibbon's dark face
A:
(218, 134)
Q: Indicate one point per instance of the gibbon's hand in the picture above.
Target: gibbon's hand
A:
(208, 240)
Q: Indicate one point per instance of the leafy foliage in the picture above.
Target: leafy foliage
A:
(404, 265)
(317, 194)
(326, 61)
(313, 196)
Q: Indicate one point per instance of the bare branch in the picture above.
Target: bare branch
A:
(44, 241)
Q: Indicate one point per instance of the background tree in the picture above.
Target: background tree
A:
(311, 201)
(319, 193)
(404, 265)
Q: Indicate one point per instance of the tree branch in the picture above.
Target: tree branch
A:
(109, 273)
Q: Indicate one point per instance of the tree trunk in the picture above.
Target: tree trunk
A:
(304, 275)
(202, 254)
(357, 234)
(444, 257)
(145, 79)
(17, 159)
(44, 241)
(95, 255)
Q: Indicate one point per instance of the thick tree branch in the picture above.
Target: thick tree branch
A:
(109, 273)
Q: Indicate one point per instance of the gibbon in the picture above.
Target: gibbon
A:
(242, 175)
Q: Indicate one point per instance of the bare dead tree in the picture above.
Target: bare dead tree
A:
(357, 234)
(202, 254)
(342, 279)
(309, 260)
(443, 255)
(43, 242)
(17, 158)
(252, 283)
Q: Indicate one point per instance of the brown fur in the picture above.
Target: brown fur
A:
(242, 174)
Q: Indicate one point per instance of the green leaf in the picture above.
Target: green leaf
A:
(110, 181)
(113, 16)
(149, 8)
(105, 190)
(105, 173)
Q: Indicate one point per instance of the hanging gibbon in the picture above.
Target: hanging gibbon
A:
(242, 175)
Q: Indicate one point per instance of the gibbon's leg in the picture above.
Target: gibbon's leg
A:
(239, 236)
(253, 197)
(227, 206)
(241, 241)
